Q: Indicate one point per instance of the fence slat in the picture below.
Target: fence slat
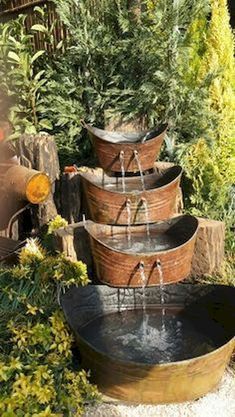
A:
(17, 6)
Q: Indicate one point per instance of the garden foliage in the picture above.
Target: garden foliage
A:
(166, 61)
(212, 168)
(37, 376)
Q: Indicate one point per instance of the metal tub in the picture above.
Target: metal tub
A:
(210, 308)
(109, 146)
(120, 268)
(107, 203)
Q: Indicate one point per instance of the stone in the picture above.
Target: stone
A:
(209, 248)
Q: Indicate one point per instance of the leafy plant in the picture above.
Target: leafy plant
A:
(20, 82)
(162, 63)
(36, 372)
(118, 62)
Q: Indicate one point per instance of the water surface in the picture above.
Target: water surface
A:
(138, 336)
(140, 242)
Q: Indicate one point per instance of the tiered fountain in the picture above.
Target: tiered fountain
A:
(144, 340)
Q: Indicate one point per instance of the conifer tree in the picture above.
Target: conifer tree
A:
(212, 169)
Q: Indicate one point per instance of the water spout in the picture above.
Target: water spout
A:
(162, 295)
(136, 153)
(145, 205)
(121, 158)
(128, 209)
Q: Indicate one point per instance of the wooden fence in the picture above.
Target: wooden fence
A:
(10, 9)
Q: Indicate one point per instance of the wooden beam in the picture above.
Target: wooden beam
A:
(23, 6)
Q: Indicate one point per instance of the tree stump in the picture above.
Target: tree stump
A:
(40, 152)
(74, 241)
(209, 248)
(68, 197)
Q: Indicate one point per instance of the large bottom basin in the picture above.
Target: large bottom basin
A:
(144, 356)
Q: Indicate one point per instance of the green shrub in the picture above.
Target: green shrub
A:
(37, 378)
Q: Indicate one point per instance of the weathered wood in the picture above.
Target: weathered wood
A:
(10, 9)
(20, 7)
(40, 152)
(73, 240)
(68, 197)
(209, 248)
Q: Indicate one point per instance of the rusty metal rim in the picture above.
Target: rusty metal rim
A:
(150, 366)
(165, 127)
(111, 285)
(128, 179)
(148, 254)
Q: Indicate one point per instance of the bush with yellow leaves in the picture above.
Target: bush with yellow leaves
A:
(211, 167)
(37, 376)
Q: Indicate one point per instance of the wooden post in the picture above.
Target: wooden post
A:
(39, 152)
(74, 241)
(68, 197)
(209, 248)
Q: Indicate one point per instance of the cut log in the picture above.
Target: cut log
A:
(40, 152)
(68, 197)
(209, 248)
(74, 242)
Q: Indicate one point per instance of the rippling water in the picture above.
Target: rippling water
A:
(137, 336)
(140, 243)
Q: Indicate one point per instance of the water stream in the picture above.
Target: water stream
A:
(121, 157)
(145, 205)
(145, 315)
(162, 296)
(140, 168)
(128, 209)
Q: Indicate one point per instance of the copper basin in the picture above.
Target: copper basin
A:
(209, 309)
(9, 250)
(173, 243)
(109, 147)
(107, 203)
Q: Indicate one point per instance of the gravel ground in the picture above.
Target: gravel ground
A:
(219, 403)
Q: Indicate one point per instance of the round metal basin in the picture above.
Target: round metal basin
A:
(120, 262)
(138, 149)
(210, 311)
(108, 204)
